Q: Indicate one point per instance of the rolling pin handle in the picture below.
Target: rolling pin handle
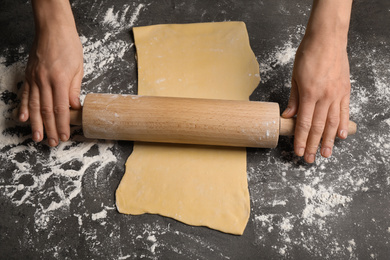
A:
(76, 116)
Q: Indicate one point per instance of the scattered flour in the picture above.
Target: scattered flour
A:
(326, 198)
(323, 199)
(321, 202)
(10, 77)
(285, 54)
(64, 166)
(99, 55)
(152, 238)
(282, 56)
(120, 19)
(286, 226)
(134, 16)
(99, 215)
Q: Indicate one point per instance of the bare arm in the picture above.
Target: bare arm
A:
(54, 72)
(321, 86)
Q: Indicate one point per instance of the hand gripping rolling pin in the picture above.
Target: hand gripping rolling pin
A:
(184, 120)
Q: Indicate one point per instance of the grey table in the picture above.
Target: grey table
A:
(58, 203)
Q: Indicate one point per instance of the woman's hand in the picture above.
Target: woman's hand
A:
(54, 73)
(320, 88)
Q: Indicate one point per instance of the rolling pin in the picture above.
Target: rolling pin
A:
(184, 120)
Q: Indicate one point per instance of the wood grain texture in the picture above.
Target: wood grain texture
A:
(181, 120)
(184, 120)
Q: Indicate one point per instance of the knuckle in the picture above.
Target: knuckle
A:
(310, 94)
(304, 125)
(33, 105)
(312, 148)
(344, 109)
(330, 93)
(28, 76)
(58, 110)
(39, 73)
(328, 142)
(46, 111)
(317, 130)
(300, 143)
(308, 97)
(25, 94)
(333, 122)
(60, 80)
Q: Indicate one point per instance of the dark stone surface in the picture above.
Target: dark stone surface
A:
(58, 203)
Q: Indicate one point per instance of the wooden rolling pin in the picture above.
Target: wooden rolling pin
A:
(184, 120)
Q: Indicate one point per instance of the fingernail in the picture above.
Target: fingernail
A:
(22, 116)
(64, 138)
(343, 134)
(301, 151)
(326, 152)
(36, 136)
(52, 142)
(310, 158)
(288, 109)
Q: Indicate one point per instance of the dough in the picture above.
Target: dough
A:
(197, 185)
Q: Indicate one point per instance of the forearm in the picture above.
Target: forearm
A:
(329, 19)
(52, 13)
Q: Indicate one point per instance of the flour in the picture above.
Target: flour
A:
(99, 215)
(282, 56)
(107, 53)
(100, 55)
(120, 19)
(134, 16)
(110, 18)
(152, 238)
(321, 202)
(285, 54)
(286, 226)
(9, 78)
(326, 199)
(53, 181)
(63, 166)
(308, 225)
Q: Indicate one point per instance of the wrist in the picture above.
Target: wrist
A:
(329, 22)
(325, 40)
(52, 14)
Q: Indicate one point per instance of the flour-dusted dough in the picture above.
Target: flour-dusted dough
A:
(198, 185)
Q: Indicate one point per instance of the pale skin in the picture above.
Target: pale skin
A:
(54, 72)
(320, 83)
(320, 87)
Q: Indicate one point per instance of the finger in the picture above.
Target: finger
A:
(332, 123)
(35, 113)
(303, 125)
(293, 102)
(61, 109)
(74, 91)
(47, 112)
(344, 117)
(316, 131)
(23, 109)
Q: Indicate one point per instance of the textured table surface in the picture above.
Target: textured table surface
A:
(58, 203)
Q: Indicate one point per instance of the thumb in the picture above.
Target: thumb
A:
(74, 91)
(293, 102)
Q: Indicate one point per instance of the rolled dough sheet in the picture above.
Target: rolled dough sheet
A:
(197, 185)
